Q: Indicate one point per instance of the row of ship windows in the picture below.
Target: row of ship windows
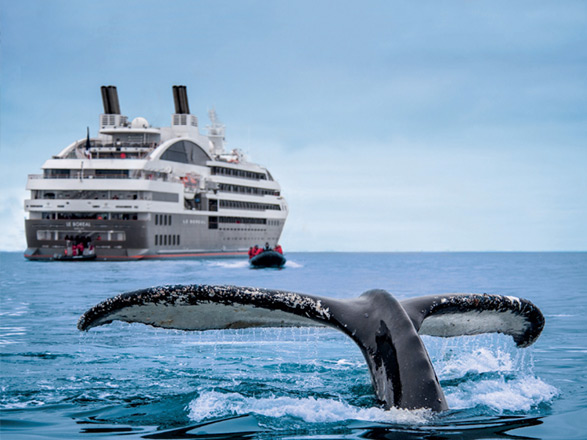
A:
(222, 171)
(243, 229)
(88, 173)
(96, 236)
(250, 206)
(88, 216)
(267, 222)
(156, 196)
(167, 240)
(162, 219)
(147, 195)
(214, 221)
(60, 173)
(65, 173)
(225, 187)
(244, 220)
(196, 204)
(249, 238)
(175, 240)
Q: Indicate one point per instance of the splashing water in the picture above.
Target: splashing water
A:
(213, 404)
(501, 395)
(474, 373)
(489, 371)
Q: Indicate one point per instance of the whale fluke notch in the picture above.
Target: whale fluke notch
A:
(386, 330)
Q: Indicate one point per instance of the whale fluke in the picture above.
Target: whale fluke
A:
(463, 314)
(386, 330)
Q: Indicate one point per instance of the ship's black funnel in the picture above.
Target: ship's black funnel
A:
(180, 97)
(114, 100)
(105, 100)
(110, 100)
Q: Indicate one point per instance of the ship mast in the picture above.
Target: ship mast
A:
(216, 133)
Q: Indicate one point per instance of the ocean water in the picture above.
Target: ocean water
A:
(135, 381)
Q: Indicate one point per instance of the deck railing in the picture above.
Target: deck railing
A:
(78, 176)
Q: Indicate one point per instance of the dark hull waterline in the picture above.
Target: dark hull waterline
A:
(78, 258)
(123, 256)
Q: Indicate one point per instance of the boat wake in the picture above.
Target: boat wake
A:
(242, 264)
(229, 264)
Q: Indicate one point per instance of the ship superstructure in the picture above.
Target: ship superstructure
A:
(137, 191)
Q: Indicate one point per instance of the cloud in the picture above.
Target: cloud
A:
(409, 196)
(390, 127)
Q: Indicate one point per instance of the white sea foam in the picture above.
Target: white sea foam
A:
(521, 394)
(293, 264)
(23, 405)
(310, 409)
(347, 364)
(239, 264)
(506, 389)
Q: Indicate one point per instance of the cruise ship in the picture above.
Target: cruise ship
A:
(136, 192)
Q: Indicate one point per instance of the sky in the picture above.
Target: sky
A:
(390, 125)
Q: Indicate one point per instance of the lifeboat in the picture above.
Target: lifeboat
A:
(268, 258)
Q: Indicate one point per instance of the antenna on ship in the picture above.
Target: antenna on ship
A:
(216, 132)
(88, 144)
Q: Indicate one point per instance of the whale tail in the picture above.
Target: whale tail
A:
(386, 330)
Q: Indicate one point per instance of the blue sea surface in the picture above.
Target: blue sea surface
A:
(136, 381)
